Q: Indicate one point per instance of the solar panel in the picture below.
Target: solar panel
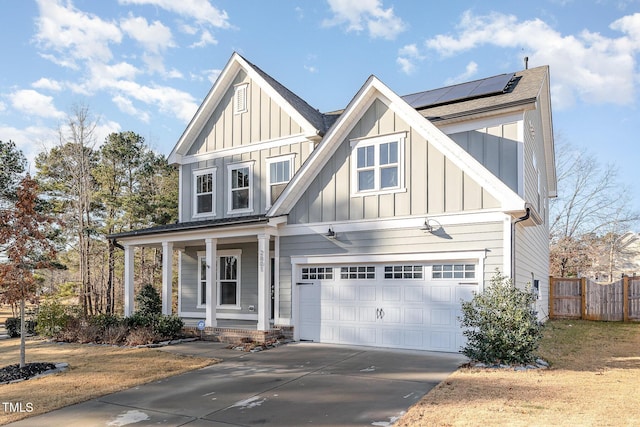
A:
(474, 89)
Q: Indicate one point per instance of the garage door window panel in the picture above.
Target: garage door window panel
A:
(403, 272)
(453, 271)
(358, 272)
(317, 273)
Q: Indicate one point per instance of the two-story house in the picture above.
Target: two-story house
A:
(364, 226)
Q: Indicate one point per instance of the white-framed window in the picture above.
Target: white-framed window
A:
(453, 271)
(378, 164)
(403, 272)
(202, 281)
(279, 173)
(358, 272)
(240, 98)
(240, 177)
(228, 282)
(204, 184)
(317, 273)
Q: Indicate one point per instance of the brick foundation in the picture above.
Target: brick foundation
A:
(239, 335)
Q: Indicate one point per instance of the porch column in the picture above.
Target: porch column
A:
(128, 280)
(264, 286)
(167, 276)
(210, 316)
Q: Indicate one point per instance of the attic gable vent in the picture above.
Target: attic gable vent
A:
(240, 98)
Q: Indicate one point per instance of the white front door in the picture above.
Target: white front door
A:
(412, 306)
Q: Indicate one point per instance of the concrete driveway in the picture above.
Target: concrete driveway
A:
(296, 384)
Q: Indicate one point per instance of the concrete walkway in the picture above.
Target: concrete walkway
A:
(296, 384)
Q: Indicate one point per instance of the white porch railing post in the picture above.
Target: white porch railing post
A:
(167, 276)
(128, 280)
(210, 316)
(264, 287)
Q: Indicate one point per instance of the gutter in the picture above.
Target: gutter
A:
(513, 243)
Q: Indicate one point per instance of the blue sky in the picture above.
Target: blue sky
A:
(145, 65)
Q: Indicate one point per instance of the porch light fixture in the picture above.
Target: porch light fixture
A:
(331, 234)
(427, 227)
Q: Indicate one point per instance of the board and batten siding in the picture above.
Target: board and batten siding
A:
(496, 148)
(455, 238)
(264, 120)
(434, 185)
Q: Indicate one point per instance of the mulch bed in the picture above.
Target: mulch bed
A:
(15, 373)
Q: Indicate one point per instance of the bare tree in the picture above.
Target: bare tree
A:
(591, 204)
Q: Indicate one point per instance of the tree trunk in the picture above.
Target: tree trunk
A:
(22, 342)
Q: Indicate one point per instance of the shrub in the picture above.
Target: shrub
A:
(12, 325)
(137, 320)
(503, 327)
(148, 301)
(141, 336)
(168, 327)
(52, 318)
(104, 321)
(115, 334)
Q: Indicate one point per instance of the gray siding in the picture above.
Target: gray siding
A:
(496, 148)
(470, 237)
(438, 188)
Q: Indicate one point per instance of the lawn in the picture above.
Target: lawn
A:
(594, 380)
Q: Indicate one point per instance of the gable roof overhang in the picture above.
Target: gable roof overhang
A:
(311, 121)
(375, 89)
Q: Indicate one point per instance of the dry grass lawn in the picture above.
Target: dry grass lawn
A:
(93, 371)
(594, 380)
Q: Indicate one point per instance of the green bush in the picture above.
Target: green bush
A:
(502, 324)
(105, 321)
(138, 320)
(148, 301)
(168, 327)
(12, 325)
(52, 318)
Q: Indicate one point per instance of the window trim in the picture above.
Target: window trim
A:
(358, 272)
(201, 258)
(453, 271)
(377, 141)
(230, 169)
(285, 158)
(241, 92)
(414, 271)
(195, 174)
(322, 272)
(227, 253)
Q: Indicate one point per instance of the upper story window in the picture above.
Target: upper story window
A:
(279, 173)
(240, 98)
(378, 164)
(204, 189)
(240, 187)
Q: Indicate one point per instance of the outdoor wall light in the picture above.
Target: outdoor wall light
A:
(427, 227)
(331, 234)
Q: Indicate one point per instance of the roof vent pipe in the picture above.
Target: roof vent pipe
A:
(526, 62)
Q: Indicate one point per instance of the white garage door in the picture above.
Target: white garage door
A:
(411, 306)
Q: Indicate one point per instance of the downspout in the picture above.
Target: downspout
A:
(117, 245)
(513, 243)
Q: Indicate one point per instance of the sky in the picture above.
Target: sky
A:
(146, 65)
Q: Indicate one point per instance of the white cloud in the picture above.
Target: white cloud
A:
(73, 34)
(30, 140)
(470, 71)
(153, 37)
(126, 106)
(201, 11)
(586, 66)
(408, 55)
(206, 38)
(33, 103)
(167, 99)
(369, 14)
(47, 84)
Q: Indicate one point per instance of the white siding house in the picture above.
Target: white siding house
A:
(365, 226)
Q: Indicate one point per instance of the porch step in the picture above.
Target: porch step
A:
(240, 335)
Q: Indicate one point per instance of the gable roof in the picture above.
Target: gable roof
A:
(311, 120)
(375, 89)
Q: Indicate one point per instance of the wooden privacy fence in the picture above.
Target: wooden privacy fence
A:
(585, 299)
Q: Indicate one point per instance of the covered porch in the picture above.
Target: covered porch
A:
(225, 275)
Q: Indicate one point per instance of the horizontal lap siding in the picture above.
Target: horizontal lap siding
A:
(470, 237)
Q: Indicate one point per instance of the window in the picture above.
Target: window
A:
(227, 279)
(204, 185)
(240, 182)
(403, 272)
(378, 164)
(279, 173)
(228, 284)
(202, 282)
(240, 98)
(358, 272)
(317, 273)
(453, 271)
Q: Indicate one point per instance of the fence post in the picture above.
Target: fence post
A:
(583, 297)
(625, 298)
(551, 286)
